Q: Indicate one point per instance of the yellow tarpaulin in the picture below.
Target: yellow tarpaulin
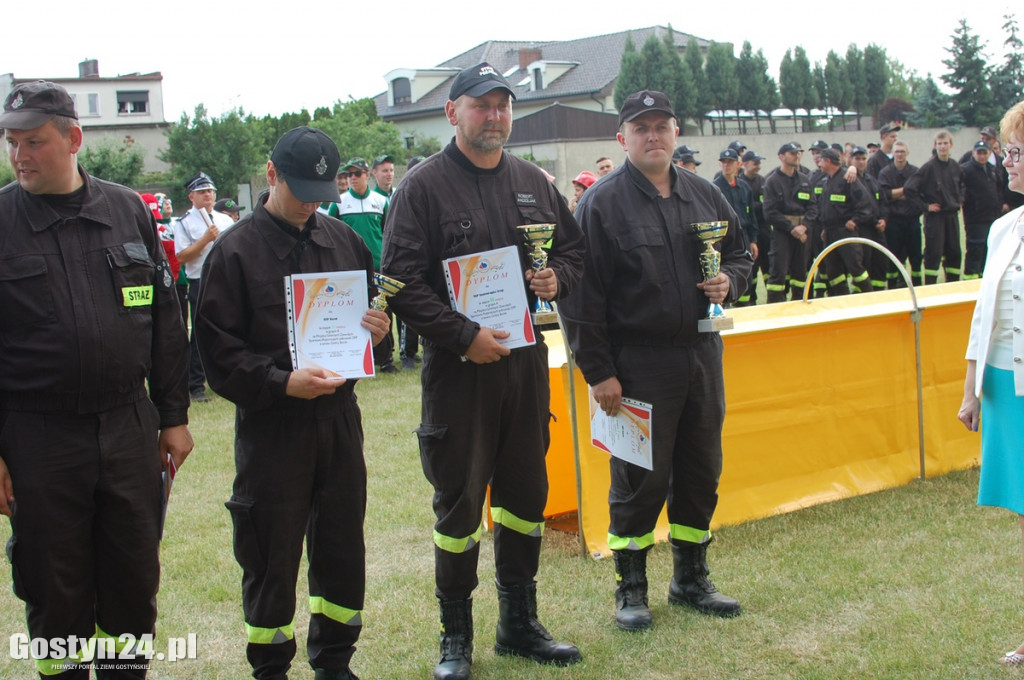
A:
(821, 405)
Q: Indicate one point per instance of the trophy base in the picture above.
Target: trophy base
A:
(544, 318)
(719, 323)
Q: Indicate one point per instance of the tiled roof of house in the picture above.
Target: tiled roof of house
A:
(597, 60)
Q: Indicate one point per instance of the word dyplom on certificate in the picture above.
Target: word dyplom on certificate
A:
(489, 288)
(627, 434)
(325, 312)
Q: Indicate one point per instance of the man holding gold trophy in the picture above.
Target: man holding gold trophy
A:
(643, 324)
(480, 212)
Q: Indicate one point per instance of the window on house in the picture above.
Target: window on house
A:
(132, 102)
(86, 104)
(401, 89)
(410, 142)
(538, 79)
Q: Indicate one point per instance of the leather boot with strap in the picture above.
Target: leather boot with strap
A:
(521, 634)
(631, 610)
(456, 640)
(690, 583)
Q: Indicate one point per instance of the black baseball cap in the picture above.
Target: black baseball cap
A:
(873, 145)
(383, 158)
(414, 161)
(981, 146)
(476, 81)
(789, 146)
(681, 151)
(200, 182)
(728, 155)
(308, 160)
(686, 158)
(886, 129)
(858, 150)
(737, 145)
(751, 156)
(228, 205)
(30, 105)
(644, 101)
(357, 163)
(819, 145)
(990, 131)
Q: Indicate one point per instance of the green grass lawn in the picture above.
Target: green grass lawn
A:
(917, 582)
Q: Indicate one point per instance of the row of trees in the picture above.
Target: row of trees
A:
(234, 147)
(857, 81)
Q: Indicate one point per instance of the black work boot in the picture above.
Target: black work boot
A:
(334, 674)
(456, 640)
(521, 634)
(690, 583)
(631, 611)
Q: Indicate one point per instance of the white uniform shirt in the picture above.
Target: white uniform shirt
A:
(189, 229)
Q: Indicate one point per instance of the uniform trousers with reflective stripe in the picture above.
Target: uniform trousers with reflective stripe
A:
(300, 474)
(788, 266)
(903, 237)
(843, 261)
(485, 424)
(687, 391)
(977, 248)
(942, 245)
(85, 537)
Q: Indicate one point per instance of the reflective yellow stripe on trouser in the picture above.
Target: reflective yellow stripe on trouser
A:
(112, 648)
(630, 542)
(688, 534)
(349, 617)
(458, 545)
(270, 636)
(509, 521)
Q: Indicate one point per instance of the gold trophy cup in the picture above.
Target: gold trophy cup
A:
(387, 287)
(710, 233)
(537, 235)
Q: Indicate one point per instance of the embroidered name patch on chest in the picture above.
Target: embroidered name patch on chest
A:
(525, 198)
(137, 296)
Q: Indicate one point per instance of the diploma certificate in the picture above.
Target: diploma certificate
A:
(626, 436)
(325, 311)
(489, 288)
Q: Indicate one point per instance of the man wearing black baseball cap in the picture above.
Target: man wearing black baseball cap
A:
(485, 407)
(633, 327)
(229, 207)
(298, 438)
(93, 392)
(888, 135)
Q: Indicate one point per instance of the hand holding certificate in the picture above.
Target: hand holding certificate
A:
(627, 434)
(325, 313)
(488, 288)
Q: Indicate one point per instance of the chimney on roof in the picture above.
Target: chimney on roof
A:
(90, 68)
(528, 55)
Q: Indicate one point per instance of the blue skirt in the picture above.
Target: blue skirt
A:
(1002, 442)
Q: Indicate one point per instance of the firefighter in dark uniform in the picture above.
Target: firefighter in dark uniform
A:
(632, 326)
(762, 261)
(485, 408)
(874, 228)
(903, 226)
(840, 207)
(88, 315)
(939, 184)
(983, 204)
(741, 198)
(787, 193)
(298, 435)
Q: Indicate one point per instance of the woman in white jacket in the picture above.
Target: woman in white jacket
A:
(995, 353)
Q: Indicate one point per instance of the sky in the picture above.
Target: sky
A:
(271, 61)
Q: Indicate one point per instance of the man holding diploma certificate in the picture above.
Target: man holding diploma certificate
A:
(485, 406)
(298, 433)
(633, 328)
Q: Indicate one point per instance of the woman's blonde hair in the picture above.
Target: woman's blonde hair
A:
(1012, 124)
